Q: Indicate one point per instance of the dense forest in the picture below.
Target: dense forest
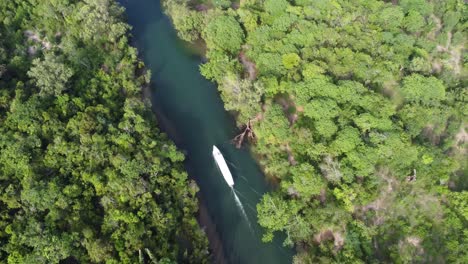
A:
(85, 174)
(357, 110)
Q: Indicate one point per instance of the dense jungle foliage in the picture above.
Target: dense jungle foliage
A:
(359, 112)
(85, 175)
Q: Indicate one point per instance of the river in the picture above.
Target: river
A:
(191, 112)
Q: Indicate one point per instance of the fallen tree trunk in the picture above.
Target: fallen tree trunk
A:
(247, 132)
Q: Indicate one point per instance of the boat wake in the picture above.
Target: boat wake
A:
(248, 205)
(241, 208)
(245, 179)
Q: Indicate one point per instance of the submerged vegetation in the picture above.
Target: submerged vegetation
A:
(85, 175)
(358, 109)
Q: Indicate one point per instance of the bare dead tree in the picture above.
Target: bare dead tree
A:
(248, 132)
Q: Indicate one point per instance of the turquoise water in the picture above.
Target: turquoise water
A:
(191, 112)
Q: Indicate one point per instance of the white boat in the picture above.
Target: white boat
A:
(223, 167)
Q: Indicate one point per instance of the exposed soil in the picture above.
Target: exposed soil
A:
(432, 35)
(455, 55)
(32, 36)
(460, 139)
(291, 159)
(384, 200)
(249, 66)
(325, 235)
(202, 7)
(289, 108)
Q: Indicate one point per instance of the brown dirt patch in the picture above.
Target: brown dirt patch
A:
(326, 235)
(33, 36)
(460, 139)
(249, 66)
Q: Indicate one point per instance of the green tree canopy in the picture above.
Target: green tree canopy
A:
(85, 174)
(50, 75)
(420, 89)
(224, 33)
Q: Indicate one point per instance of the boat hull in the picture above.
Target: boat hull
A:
(223, 167)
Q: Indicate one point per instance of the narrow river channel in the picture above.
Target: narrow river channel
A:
(191, 112)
